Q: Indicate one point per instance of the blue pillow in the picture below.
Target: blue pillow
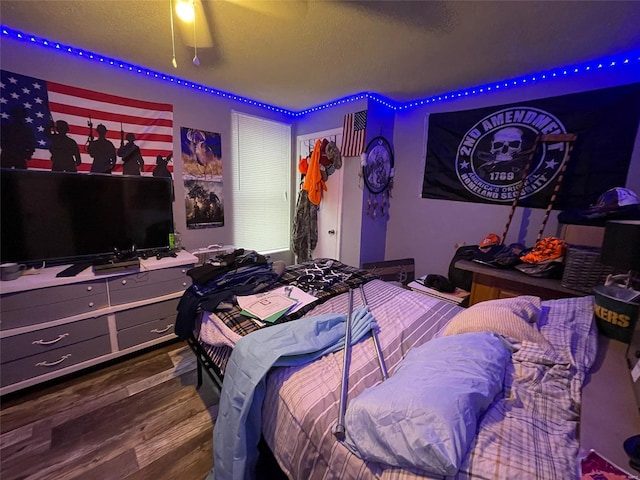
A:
(426, 414)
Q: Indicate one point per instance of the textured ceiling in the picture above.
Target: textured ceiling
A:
(297, 54)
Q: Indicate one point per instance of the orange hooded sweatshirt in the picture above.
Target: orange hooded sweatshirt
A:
(313, 182)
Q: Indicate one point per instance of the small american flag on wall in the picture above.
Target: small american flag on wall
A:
(150, 122)
(353, 134)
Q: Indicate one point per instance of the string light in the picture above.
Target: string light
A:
(621, 61)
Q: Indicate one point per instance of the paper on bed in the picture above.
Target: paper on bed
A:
(288, 298)
(214, 331)
(267, 305)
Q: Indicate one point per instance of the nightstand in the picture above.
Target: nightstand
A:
(491, 283)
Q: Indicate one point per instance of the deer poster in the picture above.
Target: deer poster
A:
(202, 176)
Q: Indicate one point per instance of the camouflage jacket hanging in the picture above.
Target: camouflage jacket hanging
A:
(304, 234)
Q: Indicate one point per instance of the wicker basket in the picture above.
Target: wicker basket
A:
(583, 270)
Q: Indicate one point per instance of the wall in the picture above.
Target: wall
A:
(425, 229)
(428, 229)
(380, 122)
(190, 109)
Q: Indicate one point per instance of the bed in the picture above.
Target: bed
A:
(528, 429)
(215, 332)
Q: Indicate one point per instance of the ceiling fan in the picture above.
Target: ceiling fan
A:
(193, 19)
(193, 26)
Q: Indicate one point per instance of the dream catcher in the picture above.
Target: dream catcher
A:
(377, 172)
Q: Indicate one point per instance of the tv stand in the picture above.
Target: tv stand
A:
(55, 325)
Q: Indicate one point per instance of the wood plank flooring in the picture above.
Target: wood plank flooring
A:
(138, 418)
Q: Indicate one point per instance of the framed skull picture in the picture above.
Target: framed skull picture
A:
(377, 168)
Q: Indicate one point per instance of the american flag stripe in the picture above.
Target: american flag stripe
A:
(150, 122)
(353, 134)
(105, 98)
(135, 121)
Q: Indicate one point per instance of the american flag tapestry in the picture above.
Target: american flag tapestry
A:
(51, 126)
(479, 155)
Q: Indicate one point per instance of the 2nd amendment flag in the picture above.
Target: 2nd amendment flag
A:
(481, 155)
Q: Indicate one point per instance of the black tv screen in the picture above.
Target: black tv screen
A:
(59, 217)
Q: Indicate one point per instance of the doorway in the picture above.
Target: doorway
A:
(330, 208)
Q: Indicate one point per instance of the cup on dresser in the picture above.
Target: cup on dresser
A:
(11, 271)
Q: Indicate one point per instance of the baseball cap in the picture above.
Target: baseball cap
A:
(612, 200)
(617, 203)
(490, 240)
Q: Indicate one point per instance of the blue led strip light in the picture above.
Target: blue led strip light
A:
(351, 98)
(135, 69)
(627, 61)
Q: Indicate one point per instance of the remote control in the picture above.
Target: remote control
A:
(74, 269)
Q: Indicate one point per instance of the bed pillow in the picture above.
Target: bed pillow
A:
(425, 415)
(511, 317)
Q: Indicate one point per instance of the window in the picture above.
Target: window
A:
(261, 173)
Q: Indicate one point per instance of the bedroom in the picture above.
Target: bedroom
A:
(408, 212)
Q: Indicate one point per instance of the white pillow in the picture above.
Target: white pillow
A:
(510, 317)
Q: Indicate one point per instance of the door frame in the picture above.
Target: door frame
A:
(300, 153)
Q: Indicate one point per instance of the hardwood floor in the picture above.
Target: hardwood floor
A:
(139, 418)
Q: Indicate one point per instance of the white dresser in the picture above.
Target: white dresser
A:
(52, 326)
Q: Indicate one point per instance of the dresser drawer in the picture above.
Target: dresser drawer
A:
(156, 311)
(130, 337)
(144, 285)
(38, 306)
(47, 339)
(57, 359)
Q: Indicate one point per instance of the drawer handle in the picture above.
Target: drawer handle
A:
(89, 288)
(124, 282)
(53, 364)
(157, 330)
(49, 342)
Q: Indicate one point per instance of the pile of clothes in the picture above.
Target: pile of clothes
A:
(242, 272)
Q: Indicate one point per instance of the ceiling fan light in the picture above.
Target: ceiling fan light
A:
(185, 10)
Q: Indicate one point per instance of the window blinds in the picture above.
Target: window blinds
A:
(261, 173)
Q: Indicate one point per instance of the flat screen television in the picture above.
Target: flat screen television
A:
(59, 218)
